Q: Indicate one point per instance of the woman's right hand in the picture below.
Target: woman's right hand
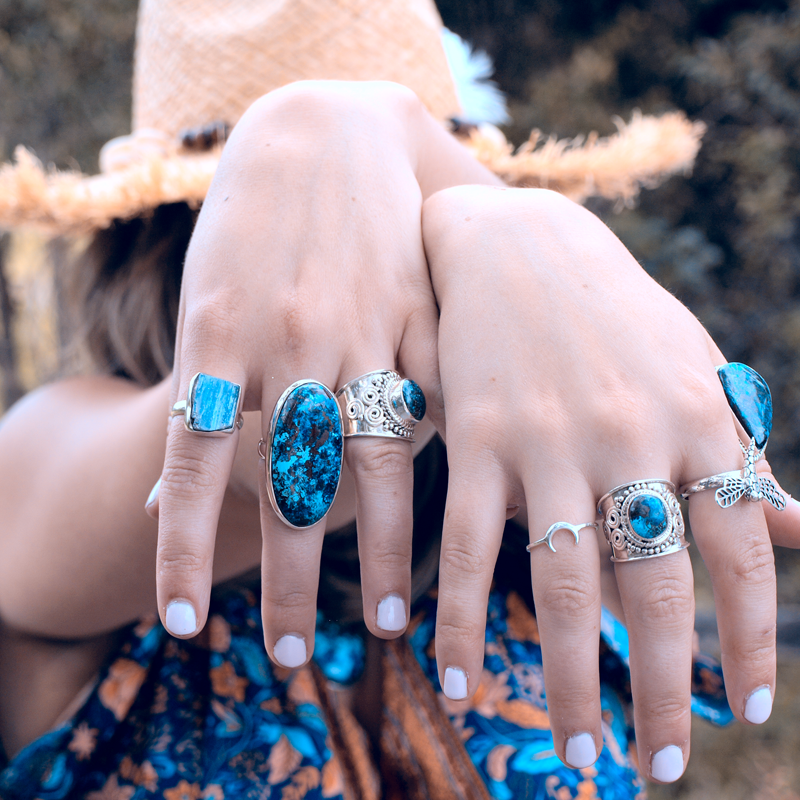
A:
(307, 262)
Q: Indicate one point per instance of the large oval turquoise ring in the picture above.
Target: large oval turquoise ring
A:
(303, 454)
(381, 403)
(212, 407)
(642, 520)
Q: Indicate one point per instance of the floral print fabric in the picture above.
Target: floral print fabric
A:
(213, 718)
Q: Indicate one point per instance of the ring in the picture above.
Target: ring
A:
(557, 526)
(213, 406)
(750, 399)
(303, 454)
(381, 403)
(642, 520)
(746, 482)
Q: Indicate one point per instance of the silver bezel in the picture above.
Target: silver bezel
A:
(268, 452)
(189, 403)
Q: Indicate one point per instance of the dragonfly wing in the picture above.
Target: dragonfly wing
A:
(770, 492)
(729, 493)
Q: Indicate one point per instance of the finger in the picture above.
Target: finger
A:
(783, 526)
(418, 358)
(297, 485)
(658, 598)
(736, 548)
(190, 495)
(475, 516)
(566, 591)
(289, 581)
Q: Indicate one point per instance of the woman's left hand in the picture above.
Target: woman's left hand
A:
(567, 371)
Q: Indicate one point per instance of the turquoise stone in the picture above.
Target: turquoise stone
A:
(415, 399)
(749, 398)
(648, 516)
(214, 404)
(306, 453)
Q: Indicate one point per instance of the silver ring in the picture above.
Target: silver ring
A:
(642, 520)
(558, 526)
(733, 485)
(381, 403)
(213, 406)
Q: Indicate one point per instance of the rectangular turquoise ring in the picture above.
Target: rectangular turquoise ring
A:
(213, 406)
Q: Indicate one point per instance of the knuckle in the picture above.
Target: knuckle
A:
(669, 709)
(457, 635)
(753, 565)
(460, 557)
(390, 561)
(300, 321)
(188, 477)
(384, 463)
(567, 597)
(213, 318)
(753, 652)
(290, 600)
(669, 600)
(173, 560)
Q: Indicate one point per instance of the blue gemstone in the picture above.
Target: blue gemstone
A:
(214, 404)
(306, 453)
(749, 398)
(648, 516)
(415, 399)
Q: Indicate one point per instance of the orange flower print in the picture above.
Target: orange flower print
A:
(521, 623)
(84, 740)
(184, 791)
(226, 683)
(332, 778)
(219, 634)
(213, 792)
(112, 791)
(118, 691)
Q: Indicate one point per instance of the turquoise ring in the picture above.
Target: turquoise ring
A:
(303, 454)
(213, 406)
(381, 403)
(642, 520)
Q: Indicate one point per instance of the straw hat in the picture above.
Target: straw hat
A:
(199, 64)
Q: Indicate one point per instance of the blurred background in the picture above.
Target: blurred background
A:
(725, 240)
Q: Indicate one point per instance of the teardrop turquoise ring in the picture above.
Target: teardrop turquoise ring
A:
(303, 454)
(750, 400)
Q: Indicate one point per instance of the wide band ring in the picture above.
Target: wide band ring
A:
(303, 454)
(642, 520)
(212, 407)
(381, 403)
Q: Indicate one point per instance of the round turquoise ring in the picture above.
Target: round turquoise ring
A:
(213, 406)
(303, 454)
(381, 403)
(642, 520)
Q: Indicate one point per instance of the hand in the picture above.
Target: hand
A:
(307, 262)
(575, 374)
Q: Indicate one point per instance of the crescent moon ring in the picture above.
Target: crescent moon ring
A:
(557, 526)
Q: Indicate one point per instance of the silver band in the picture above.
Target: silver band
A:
(746, 482)
(558, 526)
(642, 520)
(213, 406)
(374, 405)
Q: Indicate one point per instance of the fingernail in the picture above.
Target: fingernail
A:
(667, 764)
(290, 651)
(391, 613)
(758, 706)
(581, 750)
(455, 683)
(181, 619)
(153, 496)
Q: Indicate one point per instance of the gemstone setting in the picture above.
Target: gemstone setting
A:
(305, 453)
(213, 404)
(414, 399)
(648, 516)
(750, 400)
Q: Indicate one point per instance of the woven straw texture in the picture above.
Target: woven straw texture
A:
(198, 61)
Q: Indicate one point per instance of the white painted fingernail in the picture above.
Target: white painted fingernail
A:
(667, 764)
(758, 706)
(153, 496)
(290, 651)
(391, 614)
(455, 683)
(581, 751)
(181, 619)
